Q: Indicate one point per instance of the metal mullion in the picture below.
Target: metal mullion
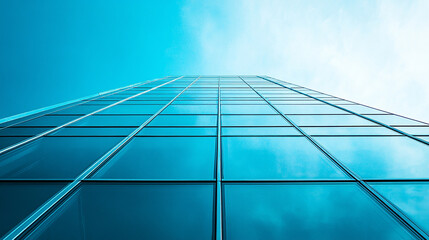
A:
(384, 203)
(218, 222)
(42, 212)
(7, 149)
(352, 112)
(82, 100)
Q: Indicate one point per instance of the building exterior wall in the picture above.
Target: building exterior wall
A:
(214, 157)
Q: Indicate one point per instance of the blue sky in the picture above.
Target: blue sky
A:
(372, 52)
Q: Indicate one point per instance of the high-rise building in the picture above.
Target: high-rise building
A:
(213, 157)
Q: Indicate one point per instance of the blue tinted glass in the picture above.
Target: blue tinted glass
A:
(113, 120)
(275, 158)
(133, 211)
(48, 121)
(88, 131)
(412, 198)
(243, 102)
(329, 120)
(22, 131)
(305, 211)
(54, 157)
(9, 141)
(309, 109)
(349, 131)
(254, 120)
(184, 120)
(132, 109)
(247, 109)
(360, 109)
(81, 109)
(163, 158)
(259, 131)
(415, 130)
(19, 199)
(380, 157)
(191, 109)
(182, 131)
(394, 120)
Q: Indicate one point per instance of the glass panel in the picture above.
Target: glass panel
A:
(411, 197)
(9, 141)
(184, 120)
(254, 120)
(183, 131)
(22, 131)
(163, 158)
(259, 131)
(275, 158)
(118, 120)
(415, 130)
(48, 121)
(329, 120)
(394, 120)
(349, 131)
(360, 109)
(133, 211)
(191, 109)
(132, 109)
(87, 131)
(19, 199)
(305, 211)
(81, 109)
(309, 109)
(54, 157)
(380, 157)
(247, 109)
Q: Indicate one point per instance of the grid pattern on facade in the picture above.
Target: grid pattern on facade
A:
(214, 157)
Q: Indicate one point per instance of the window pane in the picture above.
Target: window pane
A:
(163, 158)
(191, 109)
(305, 211)
(380, 157)
(415, 130)
(394, 120)
(309, 109)
(412, 198)
(22, 131)
(247, 109)
(9, 141)
(254, 120)
(329, 120)
(275, 158)
(360, 109)
(132, 109)
(118, 120)
(184, 120)
(183, 131)
(349, 131)
(81, 109)
(48, 121)
(259, 131)
(133, 211)
(19, 199)
(90, 131)
(54, 157)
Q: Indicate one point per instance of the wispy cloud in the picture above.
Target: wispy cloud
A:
(372, 52)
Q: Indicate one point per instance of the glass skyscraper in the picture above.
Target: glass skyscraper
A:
(213, 157)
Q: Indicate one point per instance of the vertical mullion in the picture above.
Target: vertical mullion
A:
(219, 169)
(24, 227)
(352, 112)
(395, 212)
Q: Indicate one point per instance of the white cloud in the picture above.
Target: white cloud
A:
(371, 52)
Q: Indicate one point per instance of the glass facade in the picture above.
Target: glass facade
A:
(214, 157)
